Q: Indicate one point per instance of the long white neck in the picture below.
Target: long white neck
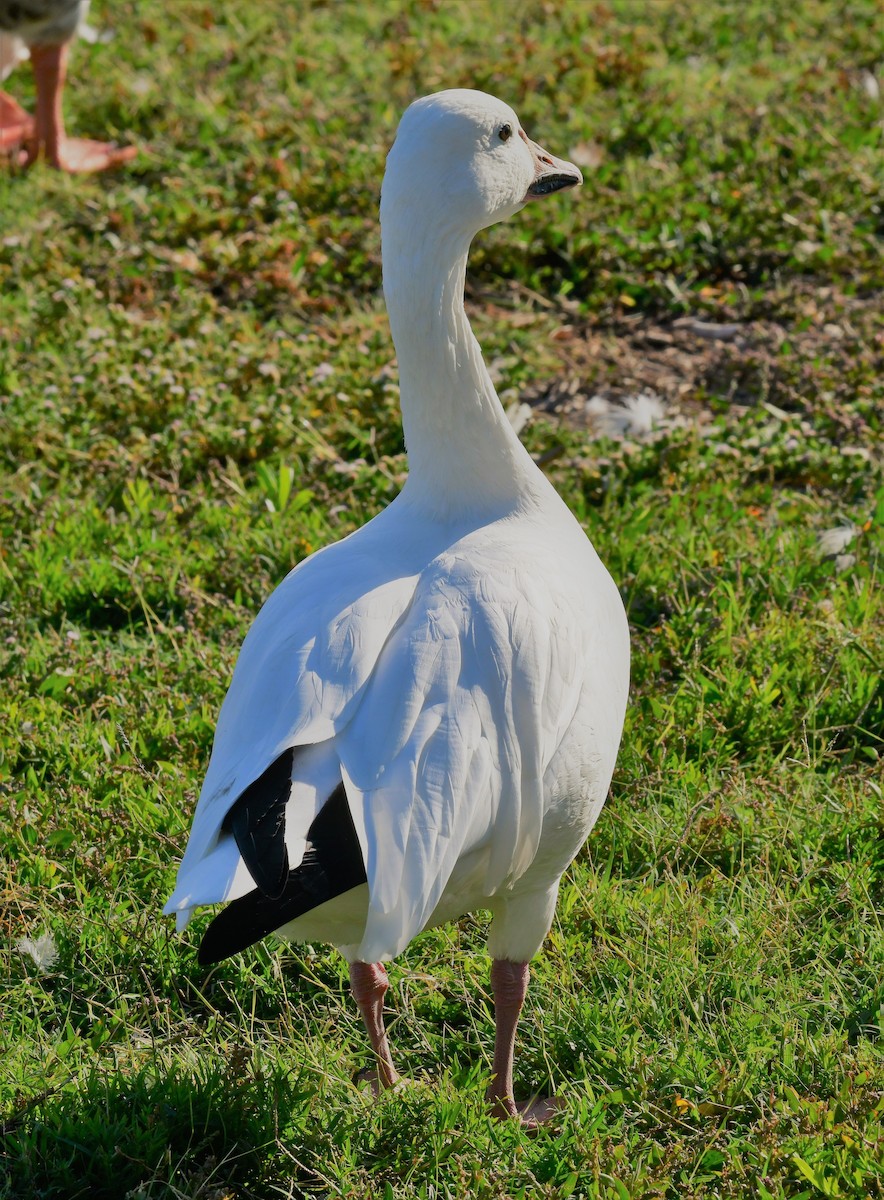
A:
(464, 456)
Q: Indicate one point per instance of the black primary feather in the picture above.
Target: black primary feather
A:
(257, 822)
(332, 865)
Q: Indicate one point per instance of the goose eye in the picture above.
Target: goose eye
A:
(505, 132)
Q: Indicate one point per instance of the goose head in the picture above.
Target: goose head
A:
(461, 161)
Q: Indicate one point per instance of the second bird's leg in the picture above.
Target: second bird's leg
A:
(369, 983)
(49, 140)
(50, 69)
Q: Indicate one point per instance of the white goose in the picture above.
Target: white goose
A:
(424, 717)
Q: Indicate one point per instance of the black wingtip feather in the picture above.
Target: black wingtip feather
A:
(332, 865)
(257, 822)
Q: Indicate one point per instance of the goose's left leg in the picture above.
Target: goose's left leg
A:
(509, 982)
(369, 983)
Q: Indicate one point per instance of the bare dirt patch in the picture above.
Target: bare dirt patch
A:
(827, 360)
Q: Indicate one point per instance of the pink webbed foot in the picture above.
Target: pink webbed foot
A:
(16, 126)
(531, 1114)
(374, 1081)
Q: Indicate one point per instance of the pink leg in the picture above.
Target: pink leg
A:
(509, 982)
(369, 983)
(15, 124)
(49, 140)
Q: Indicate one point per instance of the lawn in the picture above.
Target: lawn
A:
(197, 389)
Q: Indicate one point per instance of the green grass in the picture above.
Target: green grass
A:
(197, 390)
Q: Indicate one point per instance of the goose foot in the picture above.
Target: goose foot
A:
(372, 1080)
(16, 126)
(531, 1114)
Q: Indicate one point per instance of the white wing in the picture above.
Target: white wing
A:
(302, 667)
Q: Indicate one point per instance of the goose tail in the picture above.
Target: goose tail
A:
(332, 864)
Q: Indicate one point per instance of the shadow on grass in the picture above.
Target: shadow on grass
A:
(184, 1134)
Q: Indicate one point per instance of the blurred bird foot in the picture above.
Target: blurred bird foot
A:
(81, 156)
(16, 126)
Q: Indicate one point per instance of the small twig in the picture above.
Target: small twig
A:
(550, 455)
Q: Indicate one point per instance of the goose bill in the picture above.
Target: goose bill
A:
(554, 181)
(551, 174)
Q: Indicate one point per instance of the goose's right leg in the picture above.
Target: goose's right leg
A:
(369, 983)
(509, 982)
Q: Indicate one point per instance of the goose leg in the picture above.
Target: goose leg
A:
(16, 126)
(369, 983)
(49, 141)
(509, 982)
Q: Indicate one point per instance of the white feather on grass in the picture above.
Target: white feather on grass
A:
(42, 950)
(637, 417)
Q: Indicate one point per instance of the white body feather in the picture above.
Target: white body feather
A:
(461, 662)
